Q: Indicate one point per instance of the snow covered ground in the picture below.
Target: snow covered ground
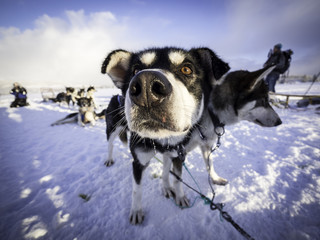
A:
(273, 173)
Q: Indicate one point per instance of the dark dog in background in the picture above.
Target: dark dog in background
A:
(65, 97)
(81, 93)
(239, 95)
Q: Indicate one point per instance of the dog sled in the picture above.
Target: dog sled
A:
(47, 94)
(306, 98)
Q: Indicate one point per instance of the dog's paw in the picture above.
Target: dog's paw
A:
(136, 217)
(168, 192)
(109, 162)
(219, 181)
(182, 201)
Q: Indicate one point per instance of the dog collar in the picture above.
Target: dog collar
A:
(150, 143)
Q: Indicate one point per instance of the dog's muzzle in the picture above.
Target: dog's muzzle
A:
(149, 88)
(152, 107)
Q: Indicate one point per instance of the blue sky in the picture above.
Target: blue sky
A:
(57, 42)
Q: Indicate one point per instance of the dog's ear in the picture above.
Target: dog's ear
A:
(116, 65)
(215, 65)
(259, 75)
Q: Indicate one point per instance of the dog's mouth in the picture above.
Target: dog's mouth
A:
(156, 127)
(257, 121)
(270, 124)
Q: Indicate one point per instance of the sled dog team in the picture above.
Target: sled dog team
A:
(87, 105)
(174, 100)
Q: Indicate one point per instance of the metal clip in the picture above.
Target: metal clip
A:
(219, 130)
(181, 152)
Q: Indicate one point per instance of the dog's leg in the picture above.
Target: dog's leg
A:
(166, 189)
(80, 123)
(61, 121)
(71, 118)
(110, 160)
(216, 179)
(93, 122)
(111, 139)
(140, 162)
(180, 198)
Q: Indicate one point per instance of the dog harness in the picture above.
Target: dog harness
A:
(180, 147)
(120, 100)
(82, 117)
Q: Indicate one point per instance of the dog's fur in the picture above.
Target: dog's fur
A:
(166, 93)
(86, 114)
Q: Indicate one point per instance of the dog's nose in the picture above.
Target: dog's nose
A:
(149, 88)
(279, 122)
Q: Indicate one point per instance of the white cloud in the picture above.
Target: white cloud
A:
(70, 50)
(59, 51)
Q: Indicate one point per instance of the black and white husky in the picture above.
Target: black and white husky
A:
(166, 93)
(86, 114)
(237, 96)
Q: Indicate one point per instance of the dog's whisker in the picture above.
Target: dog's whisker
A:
(121, 112)
(134, 139)
(117, 109)
(121, 122)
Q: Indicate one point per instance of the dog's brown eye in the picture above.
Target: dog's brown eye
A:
(186, 70)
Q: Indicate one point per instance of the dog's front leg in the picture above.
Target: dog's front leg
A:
(166, 189)
(80, 123)
(181, 199)
(216, 179)
(112, 133)
(140, 162)
(93, 122)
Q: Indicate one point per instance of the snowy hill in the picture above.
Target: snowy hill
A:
(273, 173)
